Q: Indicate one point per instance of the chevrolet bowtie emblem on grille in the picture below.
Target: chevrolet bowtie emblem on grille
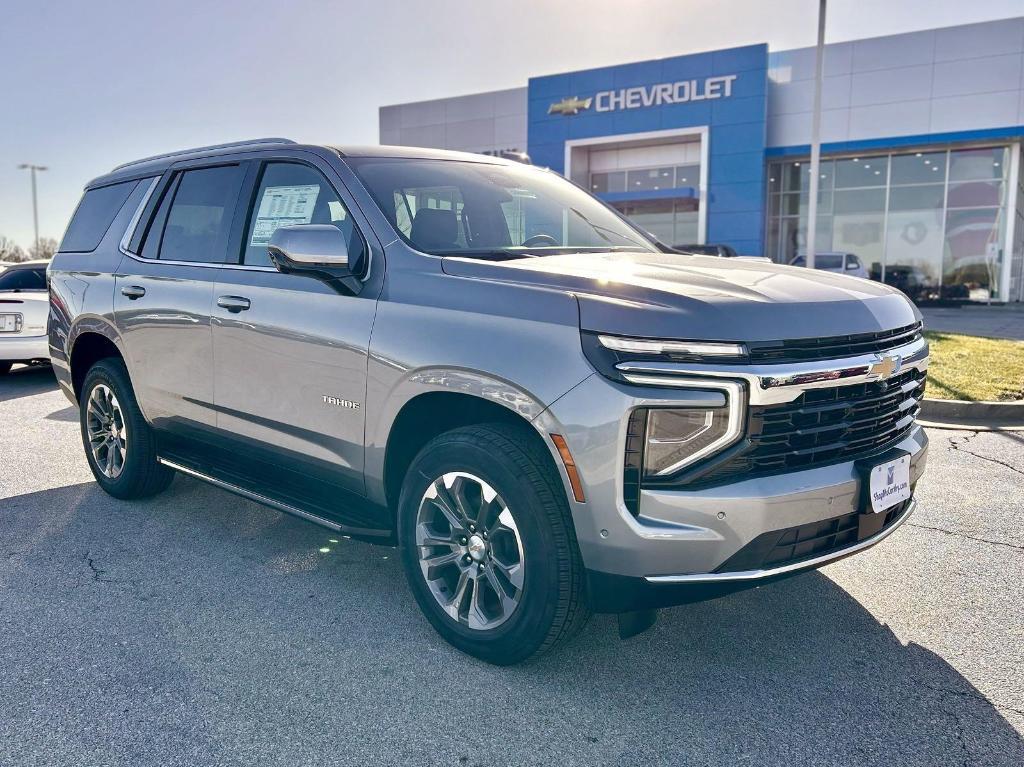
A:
(571, 106)
(884, 367)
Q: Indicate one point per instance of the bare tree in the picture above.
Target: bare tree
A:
(10, 250)
(44, 249)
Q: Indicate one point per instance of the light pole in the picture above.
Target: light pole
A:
(812, 201)
(35, 204)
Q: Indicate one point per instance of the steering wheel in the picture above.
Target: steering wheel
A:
(539, 239)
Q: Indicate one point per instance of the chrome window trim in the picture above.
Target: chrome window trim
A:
(126, 239)
(774, 384)
(756, 575)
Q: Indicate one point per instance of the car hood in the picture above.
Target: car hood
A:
(663, 295)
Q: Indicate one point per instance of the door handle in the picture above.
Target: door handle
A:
(233, 304)
(131, 292)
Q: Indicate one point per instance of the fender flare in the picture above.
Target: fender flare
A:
(474, 383)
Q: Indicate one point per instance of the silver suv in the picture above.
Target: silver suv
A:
(546, 410)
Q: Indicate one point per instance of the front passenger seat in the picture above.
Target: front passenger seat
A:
(435, 229)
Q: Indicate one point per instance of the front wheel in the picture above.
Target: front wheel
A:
(119, 444)
(488, 544)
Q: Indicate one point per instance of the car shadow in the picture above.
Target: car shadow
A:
(251, 605)
(25, 381)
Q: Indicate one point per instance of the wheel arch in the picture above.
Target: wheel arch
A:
(90, 341)
(431, 413)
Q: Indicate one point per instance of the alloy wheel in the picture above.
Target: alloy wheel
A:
(108, 436)
(470, 550)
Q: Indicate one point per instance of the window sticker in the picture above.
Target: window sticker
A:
(283, 206)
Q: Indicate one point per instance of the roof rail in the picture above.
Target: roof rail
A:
(228, 145)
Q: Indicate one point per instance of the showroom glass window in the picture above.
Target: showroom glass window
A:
(930, 223)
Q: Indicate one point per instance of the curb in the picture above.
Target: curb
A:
(984, 415)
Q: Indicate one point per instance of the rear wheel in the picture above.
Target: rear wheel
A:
(118, 442)
(488, 544)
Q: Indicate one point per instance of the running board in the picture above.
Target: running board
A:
(274, 503)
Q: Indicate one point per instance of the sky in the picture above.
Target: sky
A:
(85, 86)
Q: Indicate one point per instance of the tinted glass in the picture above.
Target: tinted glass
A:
(649, 179)
(155, 229)
(93, 216)
(469, 207)
(23, 279)
(289, 194)
(862, 171)
(200, 215)
(919, 168)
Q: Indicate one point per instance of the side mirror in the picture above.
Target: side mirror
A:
(852, 266)
(315, 250)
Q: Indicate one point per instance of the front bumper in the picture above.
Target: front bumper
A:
(674, 550)
(24, 348)
(612, 593)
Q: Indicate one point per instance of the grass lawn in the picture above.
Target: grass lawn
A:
(972, 368)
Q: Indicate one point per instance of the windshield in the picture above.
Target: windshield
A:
(23, 279)
(452, 207)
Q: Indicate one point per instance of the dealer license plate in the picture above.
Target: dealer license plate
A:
(889, 483)
(8, 323)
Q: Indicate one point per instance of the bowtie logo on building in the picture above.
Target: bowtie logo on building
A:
(571, 106)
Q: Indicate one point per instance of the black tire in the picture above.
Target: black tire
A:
(5, 367)
(551, 605)
(141, 475)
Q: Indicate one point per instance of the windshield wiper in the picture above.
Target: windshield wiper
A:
(488, 253)
(602, 229)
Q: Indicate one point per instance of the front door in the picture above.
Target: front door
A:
(291, 353)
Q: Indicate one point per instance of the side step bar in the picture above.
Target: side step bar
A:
(274, 503)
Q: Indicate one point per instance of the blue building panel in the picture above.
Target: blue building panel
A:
(724, 92)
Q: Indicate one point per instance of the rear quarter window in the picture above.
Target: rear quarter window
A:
(94, 215)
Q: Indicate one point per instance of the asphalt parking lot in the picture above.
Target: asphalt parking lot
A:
(200, 629)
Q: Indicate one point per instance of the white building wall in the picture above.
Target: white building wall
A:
(481, 122)
(961, 78)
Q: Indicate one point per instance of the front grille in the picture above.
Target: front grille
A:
(794, 544)
(833, 347)
(824, 426)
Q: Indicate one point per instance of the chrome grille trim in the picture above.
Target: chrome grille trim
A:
(778, 383)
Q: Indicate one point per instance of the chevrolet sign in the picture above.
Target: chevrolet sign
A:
(680, 92)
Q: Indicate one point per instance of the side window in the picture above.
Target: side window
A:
(94, 215)
(199, 219)
(290, 193)
(155, 229)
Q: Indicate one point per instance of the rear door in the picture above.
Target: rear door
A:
(291, 352)
(164, 291)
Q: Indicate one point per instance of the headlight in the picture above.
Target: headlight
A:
(662, 441)
(677, 438)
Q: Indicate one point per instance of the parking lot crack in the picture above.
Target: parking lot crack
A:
(958, 445)
(975, 696)
(965, 535)
(97, 572)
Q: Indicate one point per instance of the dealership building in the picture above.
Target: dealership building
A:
(921, 150)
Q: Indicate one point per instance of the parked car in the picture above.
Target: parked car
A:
(550, 414)
(24, 306)
(840, 263)
(723, 251)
